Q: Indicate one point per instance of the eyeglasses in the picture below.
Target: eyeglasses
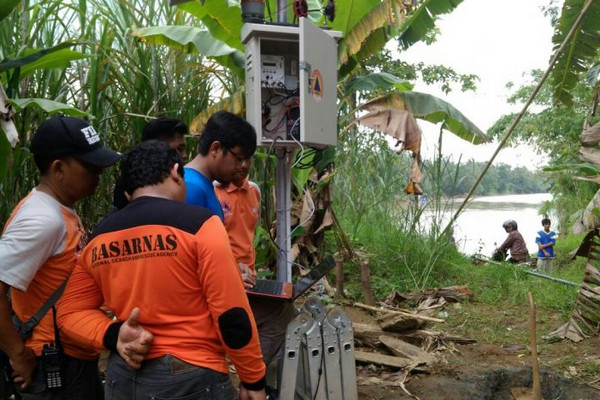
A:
(238, 158)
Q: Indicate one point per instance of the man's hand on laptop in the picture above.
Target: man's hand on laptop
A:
(248, 277)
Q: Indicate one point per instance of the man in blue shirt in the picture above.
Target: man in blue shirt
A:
(226, 145)
(545, 239)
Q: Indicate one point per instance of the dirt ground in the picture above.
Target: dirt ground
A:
(488, 371)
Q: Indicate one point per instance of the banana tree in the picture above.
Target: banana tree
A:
(15, 69)
(582, 52)
(366, 27)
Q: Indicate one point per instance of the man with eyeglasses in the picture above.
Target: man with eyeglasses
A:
(226, 145)
(38, 251)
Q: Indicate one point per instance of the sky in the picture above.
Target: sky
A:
(499, 41)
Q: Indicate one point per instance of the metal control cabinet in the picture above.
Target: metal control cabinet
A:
(291, 84)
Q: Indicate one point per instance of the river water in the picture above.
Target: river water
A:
(479, 227)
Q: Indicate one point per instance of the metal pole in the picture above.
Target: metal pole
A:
(281, 11)
(564, 282)
(283, 192)
(283, 205)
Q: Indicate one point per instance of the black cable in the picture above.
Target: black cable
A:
(320, 373)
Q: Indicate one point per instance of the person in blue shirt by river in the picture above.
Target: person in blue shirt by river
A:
(545, 239)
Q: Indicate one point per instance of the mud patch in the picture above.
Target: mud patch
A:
(481, 384)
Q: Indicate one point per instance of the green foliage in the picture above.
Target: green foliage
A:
(6, 7)
(405, 251)
(117, 82)
(421, 105)
(422, 21)
(190, 39)
(457, 179)
(552, 129)
(441, 75)
(581, 51)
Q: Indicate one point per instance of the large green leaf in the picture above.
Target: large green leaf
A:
(433, 109)
(382, 21)
(222, 18)
(379, 80)
(193, 40)
(49, 106)
(422, 20)
(58, 56)
(580, 52)
(366, 27)
(6, 7)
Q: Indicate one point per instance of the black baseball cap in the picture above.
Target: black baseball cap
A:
(62, 136)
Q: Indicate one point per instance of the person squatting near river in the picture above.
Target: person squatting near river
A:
(545, 239)
(514, 242)
(174, 262)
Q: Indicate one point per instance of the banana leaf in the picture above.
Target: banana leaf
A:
(6, 7)
(59, 56)
(433, 109)
(422, 20)
(378, 80)
(580, 52)
(49, 106)
(193, 40)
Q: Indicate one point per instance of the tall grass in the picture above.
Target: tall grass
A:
(121, 83)
(403, 243)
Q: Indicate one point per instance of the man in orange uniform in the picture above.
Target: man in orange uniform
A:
(240, 201)
(174, 262)
(38, 251)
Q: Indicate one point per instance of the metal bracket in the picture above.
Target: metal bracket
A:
(319, 359)
(305, 66)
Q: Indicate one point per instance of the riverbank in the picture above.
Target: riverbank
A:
(478, 230)
(497, 318)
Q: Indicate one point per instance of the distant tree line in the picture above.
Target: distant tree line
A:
(457, 179)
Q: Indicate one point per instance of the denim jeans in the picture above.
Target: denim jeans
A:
(81, 381)
(165, 378)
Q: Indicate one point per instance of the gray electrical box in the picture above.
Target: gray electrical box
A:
(291, 84)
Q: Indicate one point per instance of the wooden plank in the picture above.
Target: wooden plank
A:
(381, 359)
(402, 349)
(383, 310)
(398, 323)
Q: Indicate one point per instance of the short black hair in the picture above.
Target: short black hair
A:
(164, 129)
(43, 161)
(148, 163)
(229, 130)
(546, 221)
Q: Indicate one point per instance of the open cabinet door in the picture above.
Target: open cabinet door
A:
(318, 85)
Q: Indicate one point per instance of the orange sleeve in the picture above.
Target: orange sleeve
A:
(227, 301)
(78, 310)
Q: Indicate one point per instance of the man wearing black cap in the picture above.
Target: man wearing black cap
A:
(38, 250)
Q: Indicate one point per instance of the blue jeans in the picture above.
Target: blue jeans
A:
(165, 378)
(81, 381)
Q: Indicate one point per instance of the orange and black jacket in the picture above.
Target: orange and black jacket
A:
(174, 262)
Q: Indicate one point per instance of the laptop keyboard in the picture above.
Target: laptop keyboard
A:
(268, 287)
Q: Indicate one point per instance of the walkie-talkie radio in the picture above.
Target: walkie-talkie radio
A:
(51, 365)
